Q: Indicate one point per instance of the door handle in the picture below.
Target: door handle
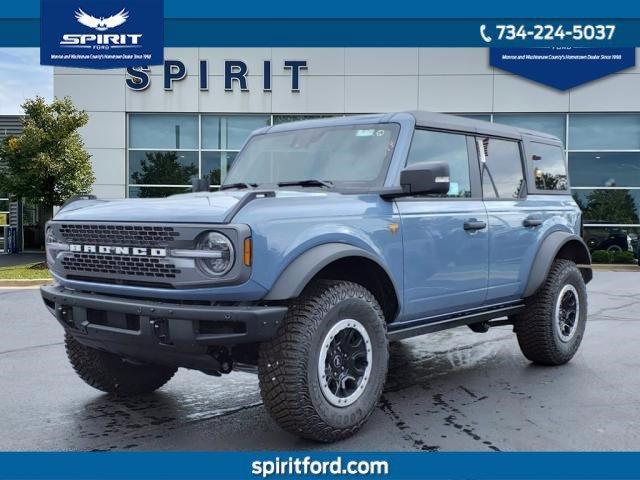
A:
(473, 224)
(532, 222)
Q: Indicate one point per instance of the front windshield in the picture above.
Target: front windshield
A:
(350, 156)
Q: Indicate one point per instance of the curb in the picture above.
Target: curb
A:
(25, 283)
(603, 267)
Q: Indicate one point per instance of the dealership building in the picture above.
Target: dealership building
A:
(151, 131)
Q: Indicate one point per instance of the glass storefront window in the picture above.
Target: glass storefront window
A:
(604, 131)
(163, 132)
(547, 123)
(612, 240)
(604, 169)
(229, 132)
(611, 206)
(162, 168)
(156, 192)
(215, 166)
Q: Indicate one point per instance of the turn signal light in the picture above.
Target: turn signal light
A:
(247, 252)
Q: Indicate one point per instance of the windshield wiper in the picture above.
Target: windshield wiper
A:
(238, 185)
(312, 182)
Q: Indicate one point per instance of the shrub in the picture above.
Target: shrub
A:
(623, 257)
(601, 256)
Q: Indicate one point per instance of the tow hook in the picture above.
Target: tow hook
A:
(224, 359)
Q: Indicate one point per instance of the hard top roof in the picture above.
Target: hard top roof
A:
(424, 119)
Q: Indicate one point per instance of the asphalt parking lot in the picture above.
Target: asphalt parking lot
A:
(454, 390)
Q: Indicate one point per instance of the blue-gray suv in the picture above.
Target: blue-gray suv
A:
(329, 239)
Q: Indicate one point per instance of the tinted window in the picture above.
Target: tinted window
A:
(604, 132)
(163, 132)
(502, 173)
(430, 146)
(617, 205)
(604, 169)
(549, 170)
(230, 132)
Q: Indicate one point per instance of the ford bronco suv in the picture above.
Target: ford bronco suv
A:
(329, 239)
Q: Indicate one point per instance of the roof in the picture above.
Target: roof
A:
(422, 119)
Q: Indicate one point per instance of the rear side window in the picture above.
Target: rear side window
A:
(549, 169)
(501, 164)
(428, 146)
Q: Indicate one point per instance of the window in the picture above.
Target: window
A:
(613, 239)
(545, 123)
(604, 169)
(167, 151)
(502, 171)
(549, 170)
(429, 146)
(610, 206)
(604, 132)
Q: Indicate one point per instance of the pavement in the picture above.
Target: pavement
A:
(454, 390)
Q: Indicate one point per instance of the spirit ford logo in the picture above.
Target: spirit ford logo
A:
(101, 24)
(110, 250)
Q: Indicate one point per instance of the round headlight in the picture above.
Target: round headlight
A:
(222, 254)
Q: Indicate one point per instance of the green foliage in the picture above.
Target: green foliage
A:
(601, 256)
(47, 163)
(623, 257)
(613, 256)
(162, 168)
(615, 206)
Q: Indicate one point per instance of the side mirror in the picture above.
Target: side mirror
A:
(423, 178)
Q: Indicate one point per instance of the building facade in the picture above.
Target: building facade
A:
(151, 131)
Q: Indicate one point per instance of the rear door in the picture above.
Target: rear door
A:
(445, 237)
(513, 219)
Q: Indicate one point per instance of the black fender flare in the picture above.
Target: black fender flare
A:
(551, 246)
(301, 270)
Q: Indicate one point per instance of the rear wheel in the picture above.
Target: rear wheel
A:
(323, 374)
(551, 328)
(111, 374)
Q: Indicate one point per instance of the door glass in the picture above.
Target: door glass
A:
(549, 170)
(502, 176)
(428, 146)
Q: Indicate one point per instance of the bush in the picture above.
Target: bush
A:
(623, 257)
(601, 256)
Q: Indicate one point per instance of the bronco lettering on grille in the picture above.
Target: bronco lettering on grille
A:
(114, 250)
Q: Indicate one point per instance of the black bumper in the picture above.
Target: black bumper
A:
(165, 333)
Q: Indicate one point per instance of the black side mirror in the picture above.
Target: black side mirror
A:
(426, 177)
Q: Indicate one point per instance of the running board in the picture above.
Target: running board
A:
(435, 324)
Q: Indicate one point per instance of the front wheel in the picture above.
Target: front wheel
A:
(551, 327)
(111, 374)
(322, 375)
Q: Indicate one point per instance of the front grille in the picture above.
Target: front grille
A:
(122, 265)
(118, 235)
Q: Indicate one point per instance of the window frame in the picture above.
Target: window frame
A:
(531, 182)
(472, 160)
(524, 168)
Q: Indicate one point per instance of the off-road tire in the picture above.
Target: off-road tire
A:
(537, 336)
(288, 364)
(109, 373)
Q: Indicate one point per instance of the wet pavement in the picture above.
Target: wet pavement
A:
(454, 390)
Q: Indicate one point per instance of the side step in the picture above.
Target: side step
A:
(435, 324)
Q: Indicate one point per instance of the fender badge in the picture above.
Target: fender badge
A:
(393, 228)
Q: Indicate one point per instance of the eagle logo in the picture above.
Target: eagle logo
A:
(101, 24)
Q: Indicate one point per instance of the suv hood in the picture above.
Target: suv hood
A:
(202, 207)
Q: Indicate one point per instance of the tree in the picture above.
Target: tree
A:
(612, 206)
(47, 164)
(162, 168)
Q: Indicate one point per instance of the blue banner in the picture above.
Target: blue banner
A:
(401, 466)
(562, 67)
(102, 34)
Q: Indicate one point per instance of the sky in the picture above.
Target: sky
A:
(22, 77)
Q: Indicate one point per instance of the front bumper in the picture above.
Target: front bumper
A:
(164, 333)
